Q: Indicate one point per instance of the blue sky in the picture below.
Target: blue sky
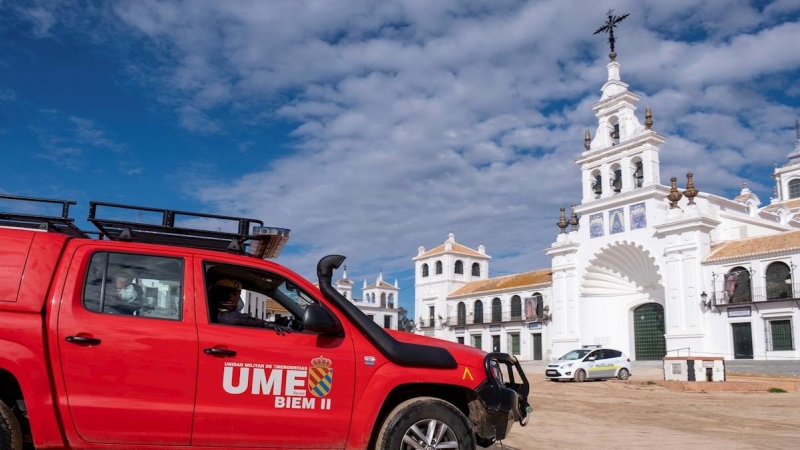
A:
(369, 127)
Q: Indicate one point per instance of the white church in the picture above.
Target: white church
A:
(646, 268)
(379, 301)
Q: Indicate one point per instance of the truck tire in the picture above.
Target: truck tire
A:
(421, 417)
(10, 432)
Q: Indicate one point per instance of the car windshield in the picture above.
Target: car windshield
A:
(575, 354)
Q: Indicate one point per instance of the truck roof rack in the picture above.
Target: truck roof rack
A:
(264, 242)
(61, 224)
(261, 242)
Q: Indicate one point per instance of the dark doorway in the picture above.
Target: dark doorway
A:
(648, 332)
(742, 341)
(537, 347)
(495, 343)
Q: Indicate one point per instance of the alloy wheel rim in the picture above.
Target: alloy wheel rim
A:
(429, 434)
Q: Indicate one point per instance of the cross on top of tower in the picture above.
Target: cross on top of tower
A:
(608, 27)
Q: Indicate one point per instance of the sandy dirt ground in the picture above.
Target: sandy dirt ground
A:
(632, 414)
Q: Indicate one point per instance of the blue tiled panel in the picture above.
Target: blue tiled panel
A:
(596, 225)
(638, 216)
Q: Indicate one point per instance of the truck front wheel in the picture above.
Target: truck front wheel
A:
(426, 422)
(10, 432)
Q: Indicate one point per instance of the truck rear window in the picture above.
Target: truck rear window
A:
(134, 285)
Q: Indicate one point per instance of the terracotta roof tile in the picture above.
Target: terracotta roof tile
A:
(788, 240)
(272, 305)
(517, 280)
(456, 248)
(791, 204)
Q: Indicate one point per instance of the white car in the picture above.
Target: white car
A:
(590, 363)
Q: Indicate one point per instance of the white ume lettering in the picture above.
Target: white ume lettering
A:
(287, 386)
(265, 381)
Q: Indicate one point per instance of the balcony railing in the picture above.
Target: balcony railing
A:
(758, 294)
(488, 317)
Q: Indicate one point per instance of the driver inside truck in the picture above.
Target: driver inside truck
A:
(225, 295)
(129, 296)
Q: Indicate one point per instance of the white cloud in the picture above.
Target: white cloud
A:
(7, 95)
(41, 20)
(415, 118)
(421, 117)
(64, 140)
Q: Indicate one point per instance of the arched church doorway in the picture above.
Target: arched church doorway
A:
(648, 332)
(621, 278)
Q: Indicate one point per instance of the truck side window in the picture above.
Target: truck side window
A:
(263, 297)
(135, 285)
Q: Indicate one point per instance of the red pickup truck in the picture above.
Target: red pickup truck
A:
(112, 339)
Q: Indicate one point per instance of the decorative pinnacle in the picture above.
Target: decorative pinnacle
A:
(674, 196)
(690, 191)
(573, 220)
(587, 140)
(648, 118)
(562, 222)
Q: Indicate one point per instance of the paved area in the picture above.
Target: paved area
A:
(641, 414)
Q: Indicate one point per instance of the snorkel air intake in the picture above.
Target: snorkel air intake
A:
(401, 353)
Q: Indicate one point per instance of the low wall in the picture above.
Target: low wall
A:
(749, 366)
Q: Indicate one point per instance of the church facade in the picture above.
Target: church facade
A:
(647, 268)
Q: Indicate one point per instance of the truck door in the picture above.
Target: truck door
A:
(127, 344)
(257, 388)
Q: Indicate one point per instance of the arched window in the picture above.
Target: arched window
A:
(383, 299)
(462, 313)
(497, 313)
(638, 174)
(737, 285)
(391, 300)
(533, 307)
(478, 311)
(779, 281)
(459, 267)
(476, 270)
(616, 178)
(438, 267)
(597, 185)
(614, 122)
(794, 188)
(516, 308)
(424, 270)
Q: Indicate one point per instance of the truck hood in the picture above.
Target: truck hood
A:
(464, 354)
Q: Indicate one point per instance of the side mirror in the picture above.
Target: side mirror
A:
(319, 320)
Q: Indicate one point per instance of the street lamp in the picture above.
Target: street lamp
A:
(705, 302)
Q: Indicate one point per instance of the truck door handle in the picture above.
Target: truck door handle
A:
(80, 340)
(219, 352)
